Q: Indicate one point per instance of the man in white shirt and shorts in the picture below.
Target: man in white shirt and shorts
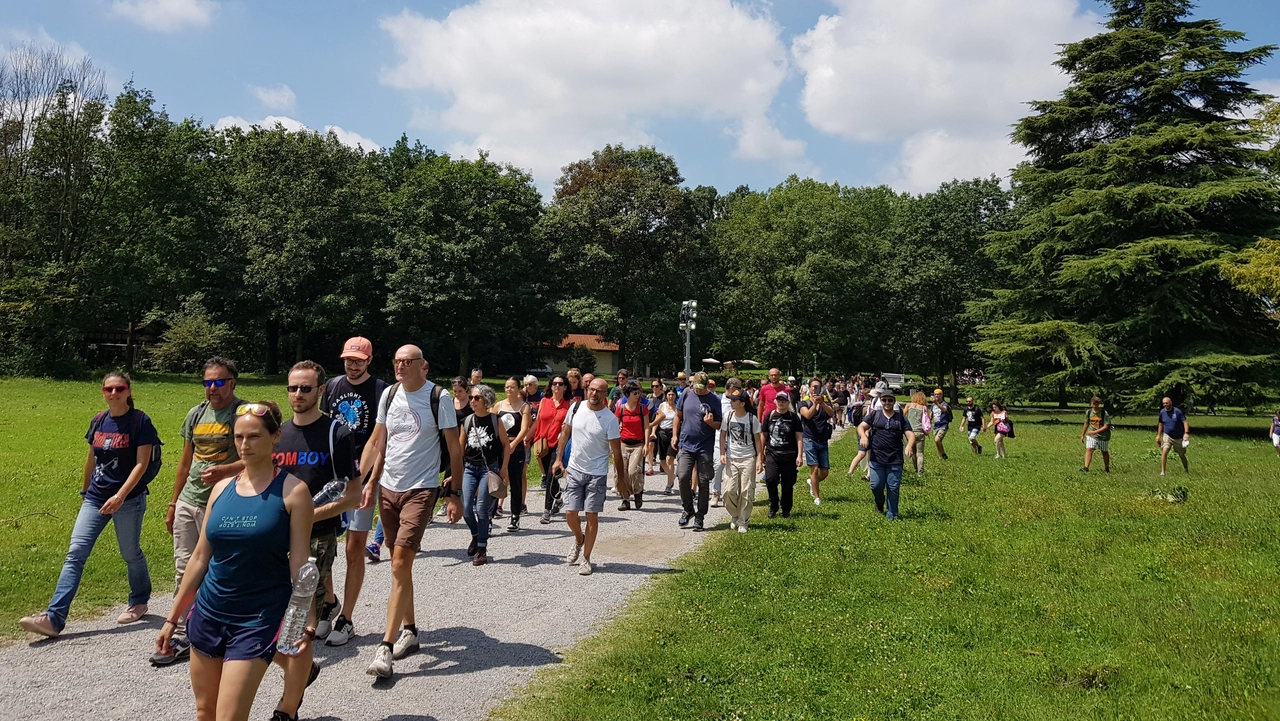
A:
(594, 432)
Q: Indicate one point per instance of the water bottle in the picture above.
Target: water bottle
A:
(331, 492)
(295, 616)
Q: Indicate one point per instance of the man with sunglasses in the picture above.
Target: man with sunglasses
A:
(208, 456)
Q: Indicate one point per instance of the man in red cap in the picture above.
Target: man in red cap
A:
(353, 399)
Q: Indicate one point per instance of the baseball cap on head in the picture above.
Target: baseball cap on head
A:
(699, 381)
(359, 348)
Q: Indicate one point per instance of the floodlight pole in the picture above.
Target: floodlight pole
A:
(688, 314)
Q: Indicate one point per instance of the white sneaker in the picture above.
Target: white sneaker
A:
(572, 558)
(586, 568)
(406, 644)
(733, 525)
(443, 510)
(342, 632)
(1161, 474)
(324, 626)
(810, 481)
(817, 501)
(381, 666)
(742, 529)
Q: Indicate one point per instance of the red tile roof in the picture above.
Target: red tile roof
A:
(592, 342)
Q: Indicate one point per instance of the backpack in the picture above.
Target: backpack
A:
(436, 391)
(153, 466)
(379, 386)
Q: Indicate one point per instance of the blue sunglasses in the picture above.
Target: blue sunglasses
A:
(217, 382)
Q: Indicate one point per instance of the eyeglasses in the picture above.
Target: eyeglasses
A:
(256, 409)
(405, 361)
(299, 389)
(557, 383)
(114, 389)
(216, 382)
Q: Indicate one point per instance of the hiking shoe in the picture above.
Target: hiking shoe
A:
(639, 500)
(684, 519)
(382, 661)
(472, 549)
(572, 558)
(342, 632)
(181, 651)
(625, 505)
(715, 500)
(132, 613)
(405, 645)
(373, 552)
(697, 523)
(324, 624)
(546, 518)
(514, 525)
(40, 624)
(586, 568)
(482, 557)
(667, 492)
(1084, 470)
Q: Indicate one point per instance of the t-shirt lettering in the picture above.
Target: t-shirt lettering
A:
(115, 452)
(304, 452)
(354, 405)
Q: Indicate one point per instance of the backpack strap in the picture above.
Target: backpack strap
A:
(333, 462)
(391, 395)
(96, 424)
(436, 391)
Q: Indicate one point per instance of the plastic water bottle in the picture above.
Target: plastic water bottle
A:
(295, 616)
(331, 492)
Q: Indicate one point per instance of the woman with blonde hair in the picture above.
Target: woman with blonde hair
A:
(917, 413)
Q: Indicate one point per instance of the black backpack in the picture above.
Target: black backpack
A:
(436, 391)
(153, 467)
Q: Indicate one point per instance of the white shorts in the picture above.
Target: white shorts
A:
(1275, 439)
(1095, 443)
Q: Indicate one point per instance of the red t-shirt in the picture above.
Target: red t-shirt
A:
(550, 418)
(632, 423)
(768, 398)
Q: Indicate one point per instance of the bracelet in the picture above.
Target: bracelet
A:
(309, 632)
(173, 504)
(175, 623)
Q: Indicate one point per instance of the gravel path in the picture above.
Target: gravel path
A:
(533, 608)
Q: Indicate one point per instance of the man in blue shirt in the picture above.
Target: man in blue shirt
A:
(1172, 433)
(693, 436)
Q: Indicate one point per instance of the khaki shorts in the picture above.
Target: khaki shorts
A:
(939, 433)
(405, 515)
(1175, 444)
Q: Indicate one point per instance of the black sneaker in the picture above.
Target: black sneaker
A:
(625, 505)
(473, 548)
(639, 500)
(697, 523)
(684, 519)
(979, 450)
(181, 652)
(514, 525)
(279, 715)
(557, 506)
(667, 492)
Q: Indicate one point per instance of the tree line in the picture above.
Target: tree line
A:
(1130, 256)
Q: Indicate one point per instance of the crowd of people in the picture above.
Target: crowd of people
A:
(256, 495)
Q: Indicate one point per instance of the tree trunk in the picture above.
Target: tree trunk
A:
(464, 356)
(273, 348)
(130, 339)
(1062, 396)
(955, 388)
(297, 347)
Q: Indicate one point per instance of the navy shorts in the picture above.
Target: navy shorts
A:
(230, 642)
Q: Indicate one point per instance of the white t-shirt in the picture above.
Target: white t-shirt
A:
(592, 431)
(413, 437)
(668, 416)
(742, 435)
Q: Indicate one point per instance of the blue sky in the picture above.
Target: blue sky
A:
(906, 92)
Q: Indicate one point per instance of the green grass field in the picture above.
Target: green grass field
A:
(1016, 589)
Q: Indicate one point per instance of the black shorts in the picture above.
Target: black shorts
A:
(664, 443)
(231, 642)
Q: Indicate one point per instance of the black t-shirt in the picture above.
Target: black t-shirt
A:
(483, 447)
(842, 398)
(356, 406)
(780, 433)
(304, 452)
(814, 428)
(886, 437)
(973, 418)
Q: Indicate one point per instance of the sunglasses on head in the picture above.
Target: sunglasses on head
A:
(114, 389)
(216, 382)
(299, 389)
(256, 409)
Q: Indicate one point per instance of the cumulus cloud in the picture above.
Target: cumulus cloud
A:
(944, 79)
(166, 15)
(544, 82)
(346, 137)
(281, 98)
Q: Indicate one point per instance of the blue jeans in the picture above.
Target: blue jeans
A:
(477, 504)
(89, 525)
(891, 476)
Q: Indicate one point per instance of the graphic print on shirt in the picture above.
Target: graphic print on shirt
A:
(480, 437)
(739, 434)
(211, 441)
(353, 411)
(776, 437)
(403, 423)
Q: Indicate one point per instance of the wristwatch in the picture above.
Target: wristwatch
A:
(448, 491)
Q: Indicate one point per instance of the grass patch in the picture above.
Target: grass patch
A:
(1018, 589)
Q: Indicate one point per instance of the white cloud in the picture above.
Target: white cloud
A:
(1270, 86)
(166, 15)
(346, 137)
(945, 79)
(281, 98)
(542, 83)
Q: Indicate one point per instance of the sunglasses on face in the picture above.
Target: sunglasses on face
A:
(477, 398)
(299, 389)
(256, 409)
(557, 383)
(114, 389)
(405, 361)
(216, 382)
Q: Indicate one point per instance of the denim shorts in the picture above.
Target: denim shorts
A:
(230, 642)
(817, 453)
(584, 492)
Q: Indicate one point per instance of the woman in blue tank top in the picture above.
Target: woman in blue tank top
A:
(256, 537)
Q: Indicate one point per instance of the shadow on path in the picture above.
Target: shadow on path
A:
(462, 650)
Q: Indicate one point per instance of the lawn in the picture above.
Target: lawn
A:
(1017, 589)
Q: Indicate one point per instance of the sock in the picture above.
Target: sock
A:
(389, 645)
(411, 628)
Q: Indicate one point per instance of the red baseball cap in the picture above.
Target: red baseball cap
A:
(359, 348)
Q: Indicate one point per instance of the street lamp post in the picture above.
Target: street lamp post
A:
(688, 324)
